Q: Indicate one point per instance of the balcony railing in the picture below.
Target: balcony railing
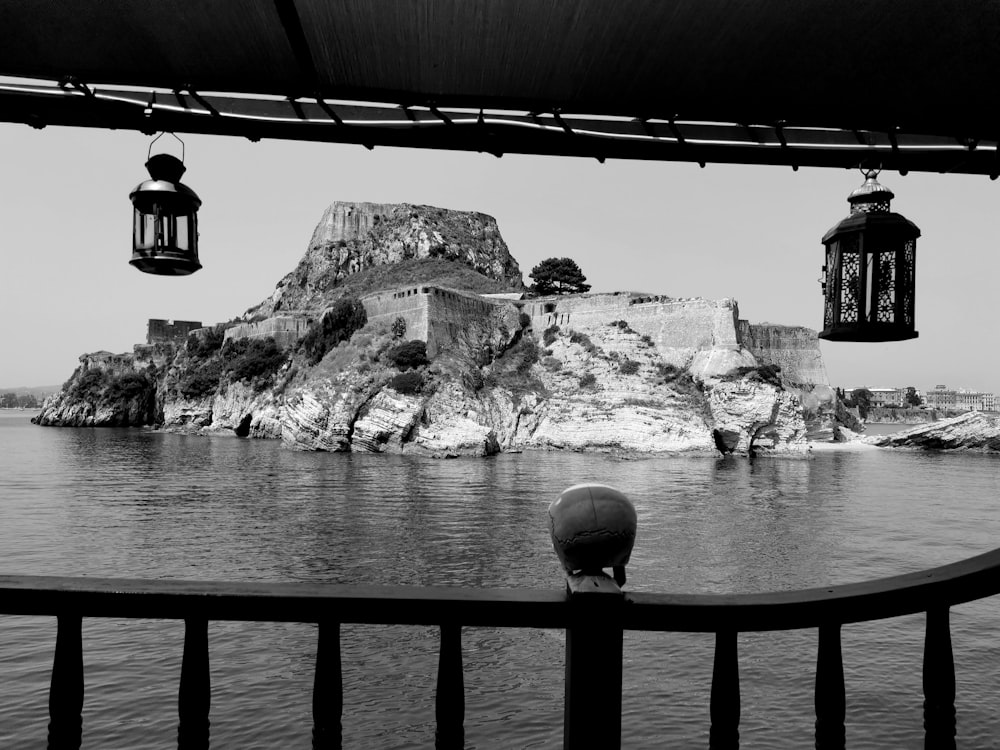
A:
(593, 612)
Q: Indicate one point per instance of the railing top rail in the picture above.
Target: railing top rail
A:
(967, 580)
(281, 602)
(944, 586)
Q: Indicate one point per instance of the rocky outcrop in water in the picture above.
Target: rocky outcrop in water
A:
(109, 390)
(973, 431)
(504, 374)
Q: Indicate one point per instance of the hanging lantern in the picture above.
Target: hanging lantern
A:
(868, 279)
(165, 236)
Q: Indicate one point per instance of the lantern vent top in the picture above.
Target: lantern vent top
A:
(871, 197)
(165, 167)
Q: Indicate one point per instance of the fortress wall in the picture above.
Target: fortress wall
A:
(451, 313)
(434, 315)
(115, 364)
(685, 324)
(794, 349)
(410, 304)
(286, 330)
(159, 330)
(549, 311)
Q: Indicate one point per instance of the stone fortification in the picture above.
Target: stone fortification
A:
(792, 348)
(432, 314)
(678, 327)
(682, 330)
(411, 304)
(161, 331)
(285, 329)
(437, 316)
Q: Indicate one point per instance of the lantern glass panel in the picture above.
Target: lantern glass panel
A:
(145, 230)
(165, 236)
(850, 275)
(183, 234)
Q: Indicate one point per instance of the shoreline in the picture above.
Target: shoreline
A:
(848, 447)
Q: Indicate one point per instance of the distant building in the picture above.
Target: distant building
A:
(960, 399)
(888, 396)
(160, 331)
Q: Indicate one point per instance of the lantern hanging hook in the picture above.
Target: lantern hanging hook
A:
(149, 154)
(868, 173)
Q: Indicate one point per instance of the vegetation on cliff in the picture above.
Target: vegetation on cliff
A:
(110, 396)
(206, 365)
(339, 323)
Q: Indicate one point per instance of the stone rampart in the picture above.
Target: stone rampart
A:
(115, 364)
(285, 329)
(434, 315)
(159, 330)
(678, 327)
(409, 303)
(794, 349)
(452, 314)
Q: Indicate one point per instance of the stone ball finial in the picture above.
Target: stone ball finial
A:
(593, 527)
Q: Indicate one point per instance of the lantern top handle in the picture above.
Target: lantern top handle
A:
(872, 193)
(149, 154)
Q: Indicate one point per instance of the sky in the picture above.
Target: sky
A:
(747, 232)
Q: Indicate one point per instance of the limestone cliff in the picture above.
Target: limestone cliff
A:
(492, 389)
(354, 237)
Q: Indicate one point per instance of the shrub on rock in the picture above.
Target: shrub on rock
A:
(408, 382)
(249, 359)
(628, 367)
(408, 356)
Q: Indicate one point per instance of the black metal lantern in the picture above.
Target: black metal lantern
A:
(165, 236)
(868, 279)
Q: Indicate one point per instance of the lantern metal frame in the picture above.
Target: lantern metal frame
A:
(870, 272)
(165, 218)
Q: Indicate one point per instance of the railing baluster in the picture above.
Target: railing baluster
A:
(939, 683)
(594, 638)
(66, 689)
(328, 689)
(831, 697)
(450, 702)
(725, 701)
(195, 697)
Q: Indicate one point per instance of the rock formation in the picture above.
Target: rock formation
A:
(612, 372)
(353, 237)
(112, 390)
(973, 431)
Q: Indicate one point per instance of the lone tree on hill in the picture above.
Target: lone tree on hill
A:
(558, 276)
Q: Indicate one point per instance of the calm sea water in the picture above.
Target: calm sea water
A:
(133, 503)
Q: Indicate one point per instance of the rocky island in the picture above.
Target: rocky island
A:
(408, 329)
